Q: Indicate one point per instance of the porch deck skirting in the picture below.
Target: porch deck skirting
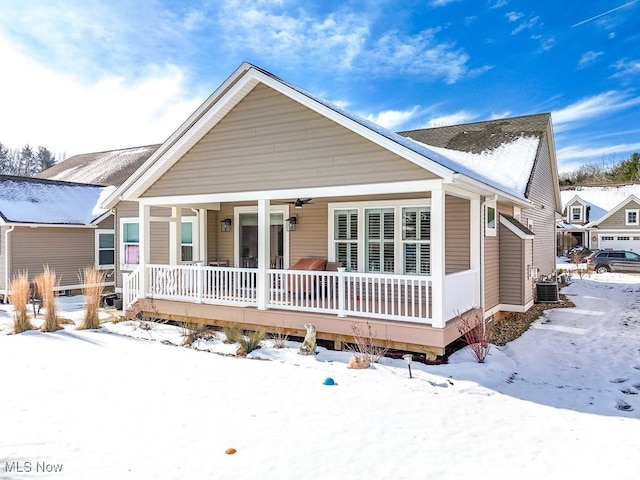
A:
(407, 298)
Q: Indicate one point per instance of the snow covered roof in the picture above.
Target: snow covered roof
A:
(39, 201)
(600, 198)
(100, 168)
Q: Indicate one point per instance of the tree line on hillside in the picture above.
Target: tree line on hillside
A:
(624, 171)
(25, 162)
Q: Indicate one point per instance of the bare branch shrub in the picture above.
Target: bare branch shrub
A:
(20, 292)
(364, 343)
(92, 280)
(279, 338)
(46, 283)
(477, 333)
(576, 259)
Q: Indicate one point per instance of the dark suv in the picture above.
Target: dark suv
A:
(614, 261)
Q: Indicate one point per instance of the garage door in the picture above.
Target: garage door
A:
(619, 242)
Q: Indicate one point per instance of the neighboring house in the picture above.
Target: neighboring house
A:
(426, 225)
(58, 224)
(604, 217)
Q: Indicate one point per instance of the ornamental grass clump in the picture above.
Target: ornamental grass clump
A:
(46, 283)
(93, 281)
(20, 292)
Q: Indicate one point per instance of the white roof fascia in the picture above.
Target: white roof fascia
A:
(514, 229)
(554, 165)
(47, 225)
(487, 190)
(117, 195)
(417, 186)
(595, 223)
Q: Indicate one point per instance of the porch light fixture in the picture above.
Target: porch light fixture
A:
(408, 358)
(292, 223)
(298, 204)
(225, 225)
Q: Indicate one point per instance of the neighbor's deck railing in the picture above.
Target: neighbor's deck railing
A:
(384, 296)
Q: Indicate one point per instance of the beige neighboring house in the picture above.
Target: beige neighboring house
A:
(601, 217)
(57, 224)
(273, 208)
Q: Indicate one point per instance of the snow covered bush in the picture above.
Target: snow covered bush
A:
(20, 289)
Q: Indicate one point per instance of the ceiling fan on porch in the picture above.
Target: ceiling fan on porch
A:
(299, 202)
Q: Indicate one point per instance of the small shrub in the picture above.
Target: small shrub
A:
(232, 332)
(20, 292)
(477, 332)
(279, 338)
(251, 341)
(46, 283)
(364, 343)
(92, 279)
(192, 331)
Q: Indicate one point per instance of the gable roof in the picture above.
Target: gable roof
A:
(601, 198)
(100, 168)
(25, 200)
(516, 227)
(247, 76)
(631, 198)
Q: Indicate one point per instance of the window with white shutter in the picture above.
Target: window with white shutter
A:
(346, 238)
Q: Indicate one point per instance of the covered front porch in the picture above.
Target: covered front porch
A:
(406, 254)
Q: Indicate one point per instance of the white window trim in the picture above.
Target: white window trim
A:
(517, 213)
(491, 231)
(397, 205)
(104, 231)
(626, 216)
(579, 209)
(194, 232)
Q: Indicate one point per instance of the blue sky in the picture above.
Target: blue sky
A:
(88, 75)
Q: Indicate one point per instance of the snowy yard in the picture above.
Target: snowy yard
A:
(560, 402)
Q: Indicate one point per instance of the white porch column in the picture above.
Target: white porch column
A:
(437, 256)
(264, 253)
(475, 226)
(175, 236)
(202, 236)
(144, 247)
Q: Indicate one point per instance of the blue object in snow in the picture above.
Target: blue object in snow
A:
(329, 381)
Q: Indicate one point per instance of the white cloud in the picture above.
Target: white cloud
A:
(70, 116)
(529, 24)
(500, 4)
(341, 41)
(585, 152)
(589, 58)
(393, 119)
(441, 3)
(514, 16)
(627, 69)
(456, 118)
(588, 108)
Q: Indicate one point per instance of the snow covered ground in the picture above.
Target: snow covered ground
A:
(560, 402)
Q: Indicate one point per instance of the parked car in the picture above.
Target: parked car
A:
(614, 261)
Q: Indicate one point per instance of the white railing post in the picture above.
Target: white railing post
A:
(341, 292)
(125, 290)
(199, 282)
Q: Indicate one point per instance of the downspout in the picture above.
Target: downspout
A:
(7, 250)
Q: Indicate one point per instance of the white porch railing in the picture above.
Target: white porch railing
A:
(383, 296)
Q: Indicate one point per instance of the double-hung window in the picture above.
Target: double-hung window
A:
(131, 242)
(632, 217)
(382, 237)
(105, 248)
(416, 240)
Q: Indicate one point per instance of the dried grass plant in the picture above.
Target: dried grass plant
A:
(250, 341)
(279, 338)
(92, 280)
(46, 283)
(20, 292)
(192, 331)
(365, 345)
(232, 332)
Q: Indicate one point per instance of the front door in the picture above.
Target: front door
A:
(248, 240)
